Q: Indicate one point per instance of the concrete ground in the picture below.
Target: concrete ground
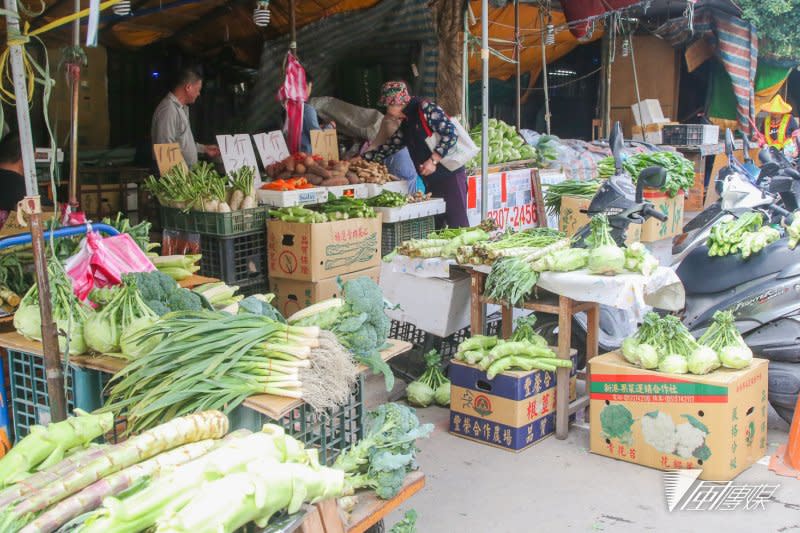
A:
(560, 486)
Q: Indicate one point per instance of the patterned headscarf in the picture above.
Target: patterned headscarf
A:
(394, 93)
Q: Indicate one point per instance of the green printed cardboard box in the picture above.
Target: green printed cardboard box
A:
(717, 422)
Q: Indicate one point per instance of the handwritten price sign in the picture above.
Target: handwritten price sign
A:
(510, 198)
(168, 156)
(271, 147)
(237, 152)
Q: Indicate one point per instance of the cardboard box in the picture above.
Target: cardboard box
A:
(650, 113)
(312, 252)
(440, 306)
(12, 227)
(694, 198)
(571, 218)
(655, 230)
(292, 296)
(513, 411)
(727, 409)
(651, 133)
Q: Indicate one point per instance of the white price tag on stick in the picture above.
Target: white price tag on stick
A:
(237, 152)
(271, 147)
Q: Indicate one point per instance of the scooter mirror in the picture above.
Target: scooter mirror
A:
(652, 177)
(779, 184)
(617, 143)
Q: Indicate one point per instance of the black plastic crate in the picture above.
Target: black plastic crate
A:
(685, 135)
(392, 235)
(239, 260)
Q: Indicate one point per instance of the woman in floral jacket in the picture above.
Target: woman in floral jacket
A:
(417, 118)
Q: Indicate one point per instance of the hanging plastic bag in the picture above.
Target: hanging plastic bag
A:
(101, 262)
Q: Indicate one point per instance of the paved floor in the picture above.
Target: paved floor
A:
(561, 486)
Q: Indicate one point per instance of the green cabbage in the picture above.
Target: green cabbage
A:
(102, 333)
(607, 259)
(28, 320)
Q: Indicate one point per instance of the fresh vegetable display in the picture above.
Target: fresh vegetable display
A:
(505, 144)
(140, 233)
(369, 172)
(563, 260)
(314, 170)
(793, 230)
(680, 171)
(162, 293)
(103, 329)
(218, 294)
(178, 267)
(242, 194)
(298, 214)
(639, 259)
(512, 279)
(200, 189)
(432, 386)
(660, 343)
(582, 189)
(496, 356)
(345, 207)
(727, 235)
(381, 460)
(725, 340)
(359, 321)
(217, 360)
(407, 525)
(442, 245)
(69, 313)
(418, 197)
(605, 257)
(388, 199)
(507, 244)
(288, 184)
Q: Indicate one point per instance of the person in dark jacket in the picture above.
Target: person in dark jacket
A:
(418, 118)
(12, 179)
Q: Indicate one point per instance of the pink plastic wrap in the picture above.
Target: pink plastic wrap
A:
(102, 262)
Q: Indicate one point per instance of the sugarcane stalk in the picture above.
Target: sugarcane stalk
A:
(92, 496)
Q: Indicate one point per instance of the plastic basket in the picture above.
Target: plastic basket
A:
(394, 234)
(239, 260)
(217, 224)
(331, 431)
(689, 134)
(30, 404)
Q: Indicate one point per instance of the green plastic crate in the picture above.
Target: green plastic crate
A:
(30, 404)
(216, 224)
(394, 234)
(331, 431)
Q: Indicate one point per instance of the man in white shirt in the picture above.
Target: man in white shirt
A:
(171, 118)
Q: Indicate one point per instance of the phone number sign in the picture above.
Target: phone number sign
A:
(510, 198)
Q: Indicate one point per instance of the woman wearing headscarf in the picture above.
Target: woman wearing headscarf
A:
(417, 118)
(399, 164)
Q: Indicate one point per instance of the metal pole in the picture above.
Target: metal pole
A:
(518, 67)
(544, 76)
(31, 205)
(484, 107)
(465, 72)
(608, 44)
(74, 73)
(292, 28)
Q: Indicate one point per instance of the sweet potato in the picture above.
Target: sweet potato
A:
(335, 182)
(314, 168)
(290, 165)
(300, 168)
(353, 178)
(313, 179)
(309, 161)
(285, 175)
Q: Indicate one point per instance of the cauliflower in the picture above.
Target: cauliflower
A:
(689, 438)
(659, 431)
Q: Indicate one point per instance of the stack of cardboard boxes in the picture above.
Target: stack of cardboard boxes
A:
(307, 262)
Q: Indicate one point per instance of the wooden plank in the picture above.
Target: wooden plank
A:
(277, 407)
(101, 363)
(562, 374)
(331, 519)
(477, 286)
(579, 404)
(194, 280)
(11, 340)
(312, 523)
(370, 509)
(507, 322)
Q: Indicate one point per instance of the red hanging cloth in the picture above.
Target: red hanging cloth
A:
(293, 94)
(582, 9)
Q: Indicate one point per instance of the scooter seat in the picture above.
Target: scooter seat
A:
(701, 274)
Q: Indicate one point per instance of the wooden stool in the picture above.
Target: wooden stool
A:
(548, 303)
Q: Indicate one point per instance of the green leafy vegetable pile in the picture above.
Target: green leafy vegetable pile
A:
(382, 459)
(508, 244)
(793, 230)
(344, 207)
(407, 525)
(432, 386)
(359, 321)
(680, 171)
(744, 234)
(582, 189)
(388, 199)
(505, 144)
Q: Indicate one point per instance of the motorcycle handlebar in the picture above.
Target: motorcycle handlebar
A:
(648, 211)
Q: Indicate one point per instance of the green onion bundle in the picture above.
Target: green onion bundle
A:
(582, 189)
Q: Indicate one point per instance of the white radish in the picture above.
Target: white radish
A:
(236, 200)
(223, 208)
(249, 202)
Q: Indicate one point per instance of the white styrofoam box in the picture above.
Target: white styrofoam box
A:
(710, 134)
(373, 189)
(439, 306)
(434, 206)
(358, 190)
(315, 195)
(650, 112)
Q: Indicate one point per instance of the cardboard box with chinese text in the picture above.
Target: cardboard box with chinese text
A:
(655, 230)
(572, 218)
(312, 252)
(292, 295)
(513, 411)
(717, 422)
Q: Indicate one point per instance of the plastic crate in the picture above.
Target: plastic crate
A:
(689, 134)
(392, 235)
(239, 260)
(331, 431)
(30, 404)
(216, 224)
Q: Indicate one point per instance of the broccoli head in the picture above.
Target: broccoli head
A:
(184, 300)
(363, 295)
(154, 285)
(158, 307)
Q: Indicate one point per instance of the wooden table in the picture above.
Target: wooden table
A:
(549, 303)
(270, 405)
